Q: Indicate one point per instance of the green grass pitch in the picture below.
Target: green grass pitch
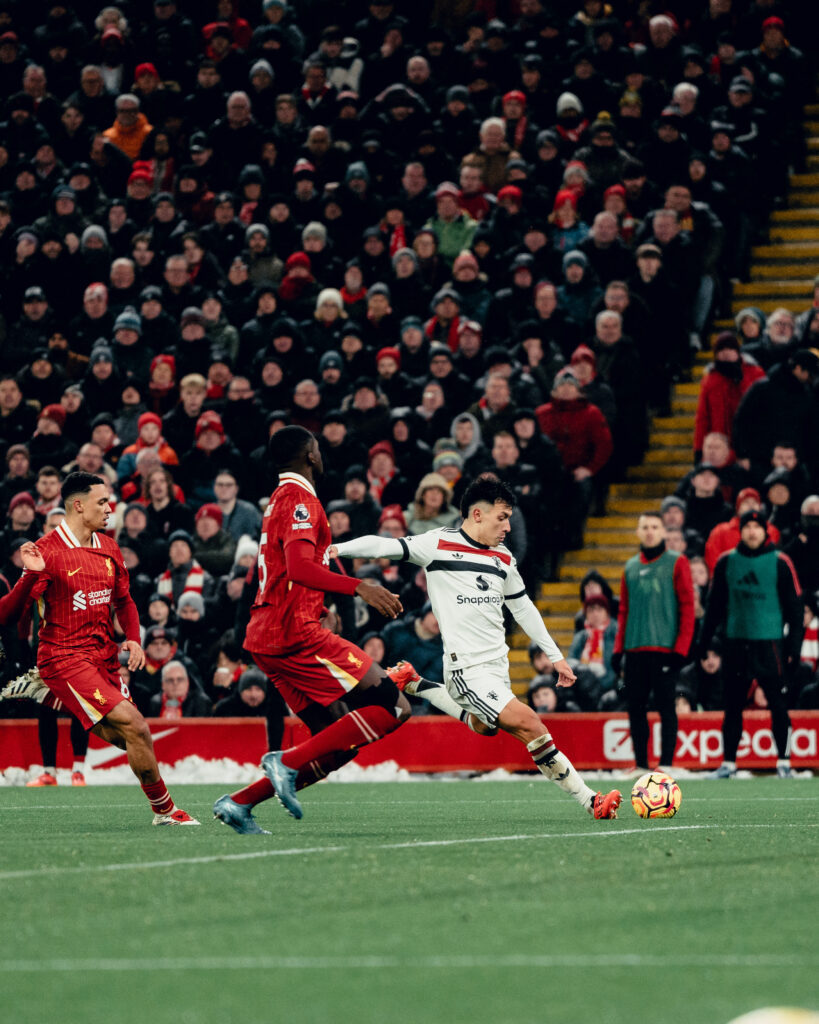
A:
(410, 903)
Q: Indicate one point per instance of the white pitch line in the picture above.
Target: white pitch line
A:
(307, 850)
(444, 962)
(411, 845)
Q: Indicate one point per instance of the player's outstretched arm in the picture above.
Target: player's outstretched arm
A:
(302, 569)
(368, 546)
(12, 605)
(530, 621)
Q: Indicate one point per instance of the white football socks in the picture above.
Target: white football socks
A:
(557, 767)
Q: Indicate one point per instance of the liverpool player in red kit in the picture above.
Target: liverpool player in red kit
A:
(343, 697)
(77, 574)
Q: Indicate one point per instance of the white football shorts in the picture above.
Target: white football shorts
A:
(483, 689)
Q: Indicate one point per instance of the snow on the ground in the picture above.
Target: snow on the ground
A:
(199, 771)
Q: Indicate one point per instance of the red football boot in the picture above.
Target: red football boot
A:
(404, 676)
(605, 805)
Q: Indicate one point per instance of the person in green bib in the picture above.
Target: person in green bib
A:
(655, 626)
(754, 595)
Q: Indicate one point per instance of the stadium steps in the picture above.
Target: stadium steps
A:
(782, 274)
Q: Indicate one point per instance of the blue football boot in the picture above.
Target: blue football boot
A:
(238, 816)
(284, 782)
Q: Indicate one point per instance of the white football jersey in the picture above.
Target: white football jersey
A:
(468, 584)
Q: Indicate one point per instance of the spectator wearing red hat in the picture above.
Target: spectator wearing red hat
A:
(520, 135)
(583, 438)
(149, 437)
(725, 536)
(211, 452)
(392, 522)
(508, 225)
(213, 547)
(130, 128)
(298, 290)
(393, 383)
(48, 446)
(568, 230)
(21, 523)
(453, 226)
(725, 382)
(162, 384)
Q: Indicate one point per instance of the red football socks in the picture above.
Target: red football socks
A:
(313, 771)
(356, 729)
(159, 797)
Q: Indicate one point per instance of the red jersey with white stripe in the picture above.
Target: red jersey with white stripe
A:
(285, 615)
(78, 591)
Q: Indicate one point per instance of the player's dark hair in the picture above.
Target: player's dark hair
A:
(489, 489)
(288, 445)
(78, 483)
(651, 514)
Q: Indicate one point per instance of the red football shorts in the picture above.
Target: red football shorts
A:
(318, 673)
(88, 686)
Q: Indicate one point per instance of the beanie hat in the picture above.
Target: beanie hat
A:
(672, 501)
(298, 259)
(23, 498)
(192, 315)
(754, 515)
(510, 192)
(314, 229)
(193, 599)
(574, 257)
(181, 535)
(726, 339)
(209, 420)
(55, 413)
(252, 677)
(330, 295)
(101, 354)
(148, 417)
(568, 101)
(566, 375)
(745, 494)
(261, 65)
(583, 354)
(381, 447)
(465, 258)
(596, 599)
(392, 512)
(245, 546)
(448, 457)
(210, 510)
(257, 229)
(753, 313)
(388, 352)
(330, 361)
(400, 253)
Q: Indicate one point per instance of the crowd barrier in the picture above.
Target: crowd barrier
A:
(439, 744)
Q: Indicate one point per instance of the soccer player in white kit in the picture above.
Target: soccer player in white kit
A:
(471, 575)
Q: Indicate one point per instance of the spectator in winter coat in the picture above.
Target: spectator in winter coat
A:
(180, 696)
(453, 227)
(779, 408)
(213, 546)
(130, 128)
(430, 509)
(150, 436)
(725, 382)
(253, 697)
(211, 452)
(725, 536)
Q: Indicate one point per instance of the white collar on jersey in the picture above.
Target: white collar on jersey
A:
(70, 541)
(297, 478)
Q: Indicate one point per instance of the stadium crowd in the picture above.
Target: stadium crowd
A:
(449, 238)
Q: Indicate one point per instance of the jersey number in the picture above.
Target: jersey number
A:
(261, 563)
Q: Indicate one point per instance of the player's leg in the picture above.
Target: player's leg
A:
(637, 684)
(665, 698)
(522, 722)
(735, 685)
(377, 708)
(79, 746)
(771, 677)
(405, 677)
(47, 734)
(484, 690)
(234, 809)
(126, 723)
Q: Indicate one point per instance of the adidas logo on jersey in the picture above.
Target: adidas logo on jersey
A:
(79, 604)
(748, 580)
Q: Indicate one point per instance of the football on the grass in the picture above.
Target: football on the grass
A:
(656, 795)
